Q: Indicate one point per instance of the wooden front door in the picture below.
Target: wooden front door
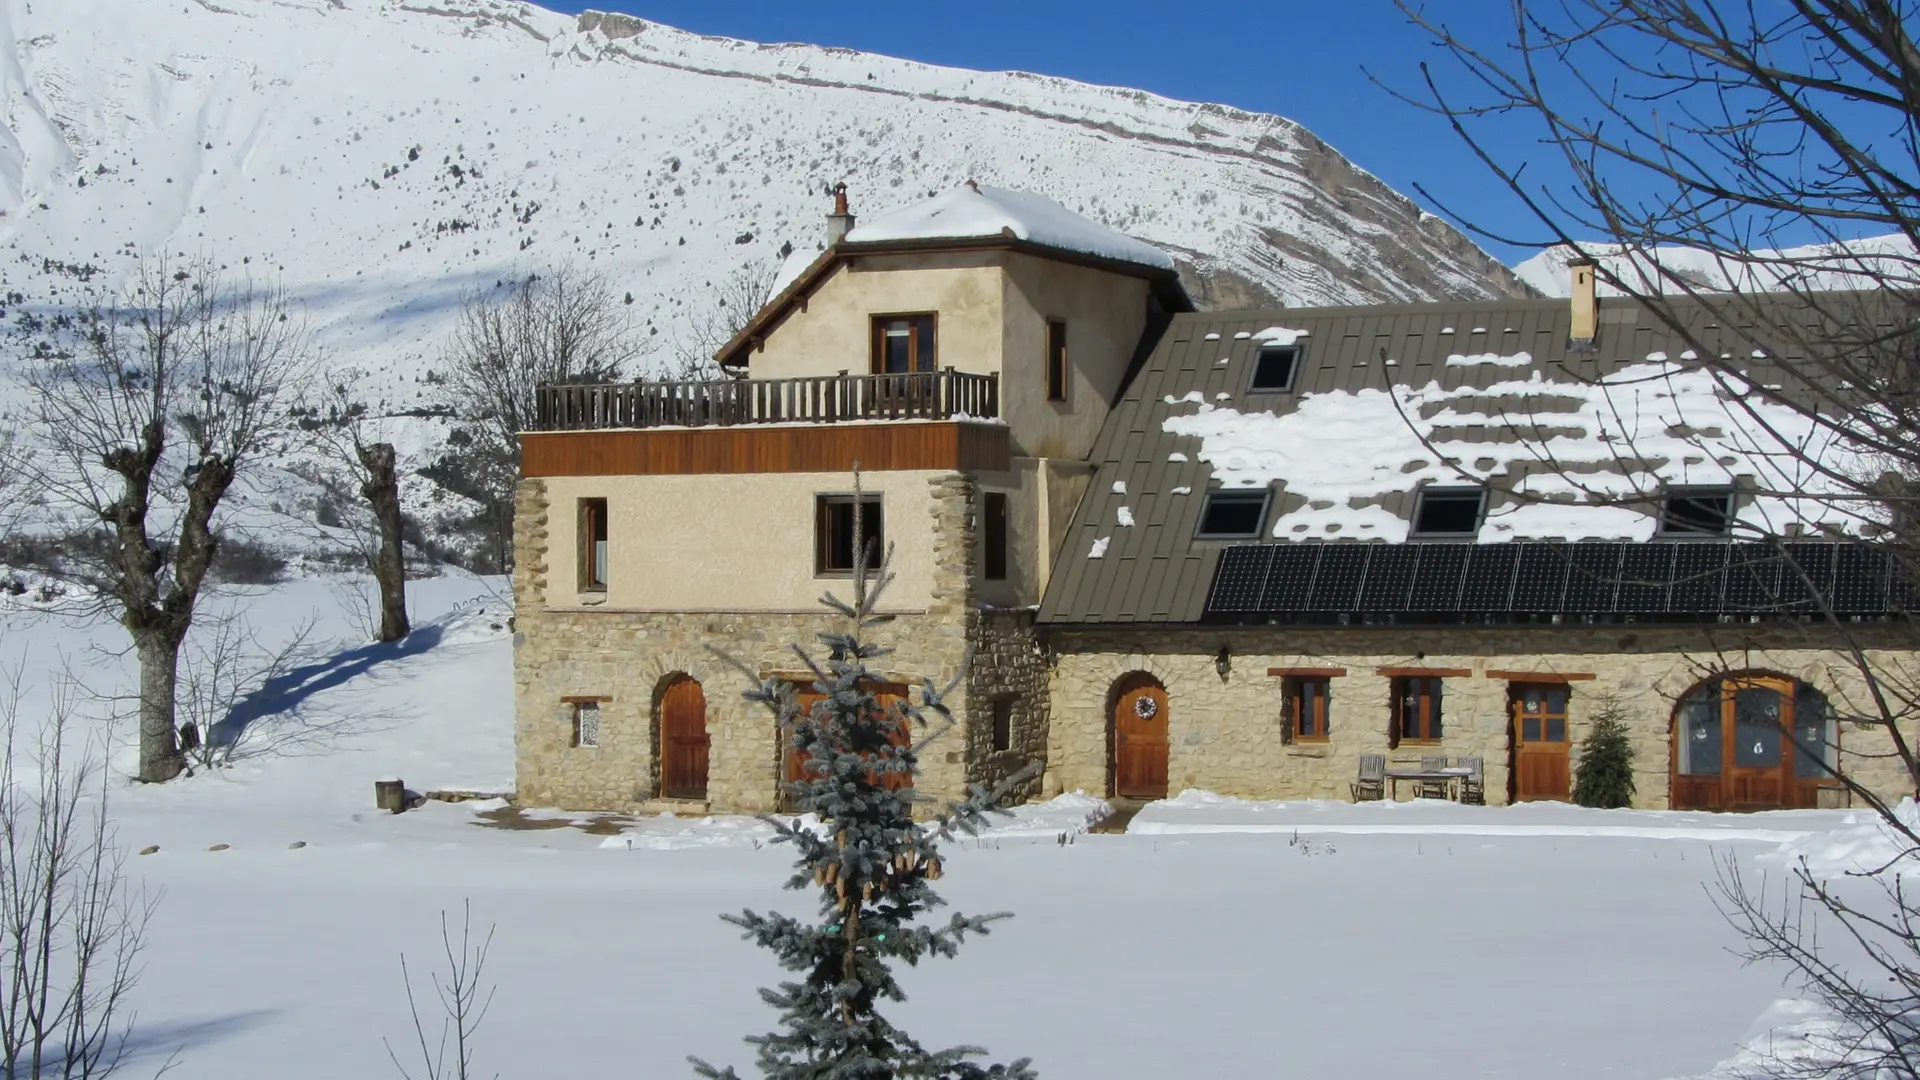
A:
(1757, 713)
(1732, 751)
(683, 740)
(1541, 767)
(793, 770)
(1140, 741)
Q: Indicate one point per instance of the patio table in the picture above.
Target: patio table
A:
(1451, 774)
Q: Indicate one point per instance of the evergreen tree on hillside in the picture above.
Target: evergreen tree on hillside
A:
(1604, 777)
(871, 863)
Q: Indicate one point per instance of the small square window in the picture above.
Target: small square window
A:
(1449, 511)
(903, 344)
(1416, 711)
(1697, 512)
(586, 724)
(1274, 367)
(1233, 514)
(1003, 724)
(834, 529)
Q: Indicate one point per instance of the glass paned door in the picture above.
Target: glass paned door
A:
(1756, 727)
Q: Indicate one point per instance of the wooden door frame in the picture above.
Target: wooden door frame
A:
(660, 729)
(1515, 687)
(1783, 770)
(1793, 787)
(1122, 686)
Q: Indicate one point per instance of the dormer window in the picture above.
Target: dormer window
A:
(1697, 511)
(1449, 511)
(903, 344)
(1233, 515)
(1274, 367)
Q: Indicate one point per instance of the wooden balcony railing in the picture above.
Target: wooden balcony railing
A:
(826, 399)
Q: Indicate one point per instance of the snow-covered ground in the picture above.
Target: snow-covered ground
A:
(1218, 938)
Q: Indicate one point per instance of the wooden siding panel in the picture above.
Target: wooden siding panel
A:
(824, 448)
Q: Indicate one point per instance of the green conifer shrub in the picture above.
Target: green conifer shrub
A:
(870, 863)
(1604, 777)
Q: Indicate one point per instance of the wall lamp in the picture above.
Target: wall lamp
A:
(1223, 663)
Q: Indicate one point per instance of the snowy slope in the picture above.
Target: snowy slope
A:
(1854, 265)
(385, 156)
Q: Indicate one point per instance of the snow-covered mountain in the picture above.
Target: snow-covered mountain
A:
(1867, 263)
(385, 156)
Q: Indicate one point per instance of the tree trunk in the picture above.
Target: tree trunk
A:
(382, 492)
(159, 655)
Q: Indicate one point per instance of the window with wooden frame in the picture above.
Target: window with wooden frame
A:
(593, 545)
(1305, 707)
(903, 344)
(1416, 710)
(1002, 723)
(835, 528)
(586, 725)
(1057, 371)
(993, 536)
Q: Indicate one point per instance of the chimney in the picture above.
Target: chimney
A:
(840, 222)
(1586, 313)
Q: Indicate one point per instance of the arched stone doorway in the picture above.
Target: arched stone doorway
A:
(1752, 741)
(683, 739)
(1137, 734)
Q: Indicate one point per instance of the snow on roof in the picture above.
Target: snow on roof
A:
(972, 212)
(1673, 425)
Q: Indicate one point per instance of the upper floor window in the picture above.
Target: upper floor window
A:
(993, 534)
(593, 545)
(1306, 707)
(1274, 367)
(1416, 710)
(903, 344)
(1449, 511)
(1231, 514)
(1056, 360)
(1697, 511)
(835, 529)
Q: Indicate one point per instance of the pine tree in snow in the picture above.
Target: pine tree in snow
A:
(871, 863)
(1604, 776)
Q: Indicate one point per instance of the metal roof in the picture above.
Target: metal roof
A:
(1156, 571)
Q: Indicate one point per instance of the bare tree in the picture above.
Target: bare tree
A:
(1707, 158)
(464, 997)
(715, 317)
(359, 454)
(71, 926)
(565, 325)
(146, 410)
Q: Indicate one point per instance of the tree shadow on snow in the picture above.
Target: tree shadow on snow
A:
(173, 1041)
(284, 697)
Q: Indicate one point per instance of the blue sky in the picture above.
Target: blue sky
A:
(1302, 59)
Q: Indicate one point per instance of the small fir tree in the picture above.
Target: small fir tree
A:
(870, 861)
(1604, 777)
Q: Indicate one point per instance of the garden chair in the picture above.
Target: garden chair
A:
(1473, 786)
(1371, 786)
(1433, 789)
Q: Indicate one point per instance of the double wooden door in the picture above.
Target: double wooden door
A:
(683, 740)
(1542, 767)
(1733, 751)
(1140, 740)
(888, 698)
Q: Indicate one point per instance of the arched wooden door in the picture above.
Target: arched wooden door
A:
(1751, 742)
(793, 768)
(683, 740)
(1139, 724)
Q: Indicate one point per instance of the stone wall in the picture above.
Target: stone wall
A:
(627, 657)
(1226, 733)
(1008, 666)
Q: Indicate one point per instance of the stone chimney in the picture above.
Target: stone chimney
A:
(1586, 309)
(840, 222)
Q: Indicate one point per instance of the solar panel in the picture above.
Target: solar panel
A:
(1753, 578)
(1540, 578)
(1807, 576)
(1390, 572)
(1859, 581)
(1699, 576)
(1645, 570)
(1489, 580)
(1240, 579)
(1290, 579)
(1436, 580)
(1593, 575)
(1336, 587)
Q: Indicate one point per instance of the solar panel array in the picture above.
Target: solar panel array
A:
(1448, 582)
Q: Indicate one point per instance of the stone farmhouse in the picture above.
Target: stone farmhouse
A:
(1232, 550)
